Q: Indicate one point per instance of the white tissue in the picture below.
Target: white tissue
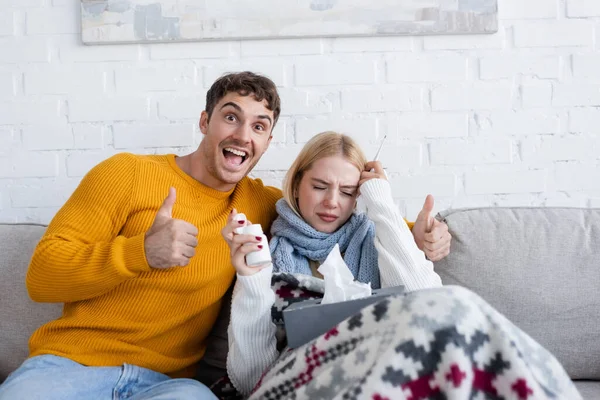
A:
(339, 281)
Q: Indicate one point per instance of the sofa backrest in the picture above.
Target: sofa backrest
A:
(540, 267)
(19, 315)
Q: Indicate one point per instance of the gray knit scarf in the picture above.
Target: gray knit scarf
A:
(294, 242)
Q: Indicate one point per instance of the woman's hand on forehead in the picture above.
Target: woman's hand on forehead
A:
(373, 170)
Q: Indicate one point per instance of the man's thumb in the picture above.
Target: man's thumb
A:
(427, 210)
(166, 209)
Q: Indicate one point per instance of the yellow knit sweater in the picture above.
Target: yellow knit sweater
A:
(117, 309)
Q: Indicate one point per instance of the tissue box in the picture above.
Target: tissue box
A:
(310, 319)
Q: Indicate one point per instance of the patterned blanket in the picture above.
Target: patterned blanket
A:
(442, 343)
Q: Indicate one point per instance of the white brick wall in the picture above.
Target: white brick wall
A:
(554, 33)
(508, 66)
(531, 9)
(41, 21)
(348, 70)
(156, 135)
(427, 125)
(113, 108)
(29, 164)
(536, 94)
(583, 8)
(409, 68)
(586, 68)
(506, 119)
(7, 23)
(482, 151)
(469, 96)
(172, 77)
(530, 181)
(64, 79)
(7, 86)
(381, 98)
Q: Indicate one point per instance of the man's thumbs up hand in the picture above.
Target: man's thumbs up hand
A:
(431, 235)
(170, 242)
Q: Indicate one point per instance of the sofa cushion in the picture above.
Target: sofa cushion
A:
(19, 315)
(538, 266)
(589, 390)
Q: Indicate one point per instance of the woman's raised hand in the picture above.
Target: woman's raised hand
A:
(373, 170)
(240, 245)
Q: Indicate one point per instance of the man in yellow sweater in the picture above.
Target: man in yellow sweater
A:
(137, 258)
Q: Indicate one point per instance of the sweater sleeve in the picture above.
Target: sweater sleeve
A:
(401, 262)
(251, 332)
(83, 253)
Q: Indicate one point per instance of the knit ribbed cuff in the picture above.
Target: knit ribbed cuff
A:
(376, 191)
(377, 194)
(134, 255)
(254, 285)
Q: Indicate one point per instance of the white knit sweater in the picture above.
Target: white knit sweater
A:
(252, 342)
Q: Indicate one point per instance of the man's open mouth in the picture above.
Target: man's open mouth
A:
(234, 157)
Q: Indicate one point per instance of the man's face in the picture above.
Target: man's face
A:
(237, 135)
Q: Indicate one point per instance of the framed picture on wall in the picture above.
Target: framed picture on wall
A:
(135, 21)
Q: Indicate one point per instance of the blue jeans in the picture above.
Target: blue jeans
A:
(56, 378)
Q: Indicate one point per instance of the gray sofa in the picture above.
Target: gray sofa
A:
(538, 266)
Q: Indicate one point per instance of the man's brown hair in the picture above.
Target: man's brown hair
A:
(245, 83)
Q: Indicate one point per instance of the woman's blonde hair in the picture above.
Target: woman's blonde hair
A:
(322, 145)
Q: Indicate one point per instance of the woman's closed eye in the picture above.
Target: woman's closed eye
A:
(319, 188)
(349, 194)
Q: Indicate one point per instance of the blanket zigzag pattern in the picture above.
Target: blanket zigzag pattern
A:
(441, 343)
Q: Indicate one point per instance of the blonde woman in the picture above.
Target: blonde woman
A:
(317, 212)
(439, 342)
